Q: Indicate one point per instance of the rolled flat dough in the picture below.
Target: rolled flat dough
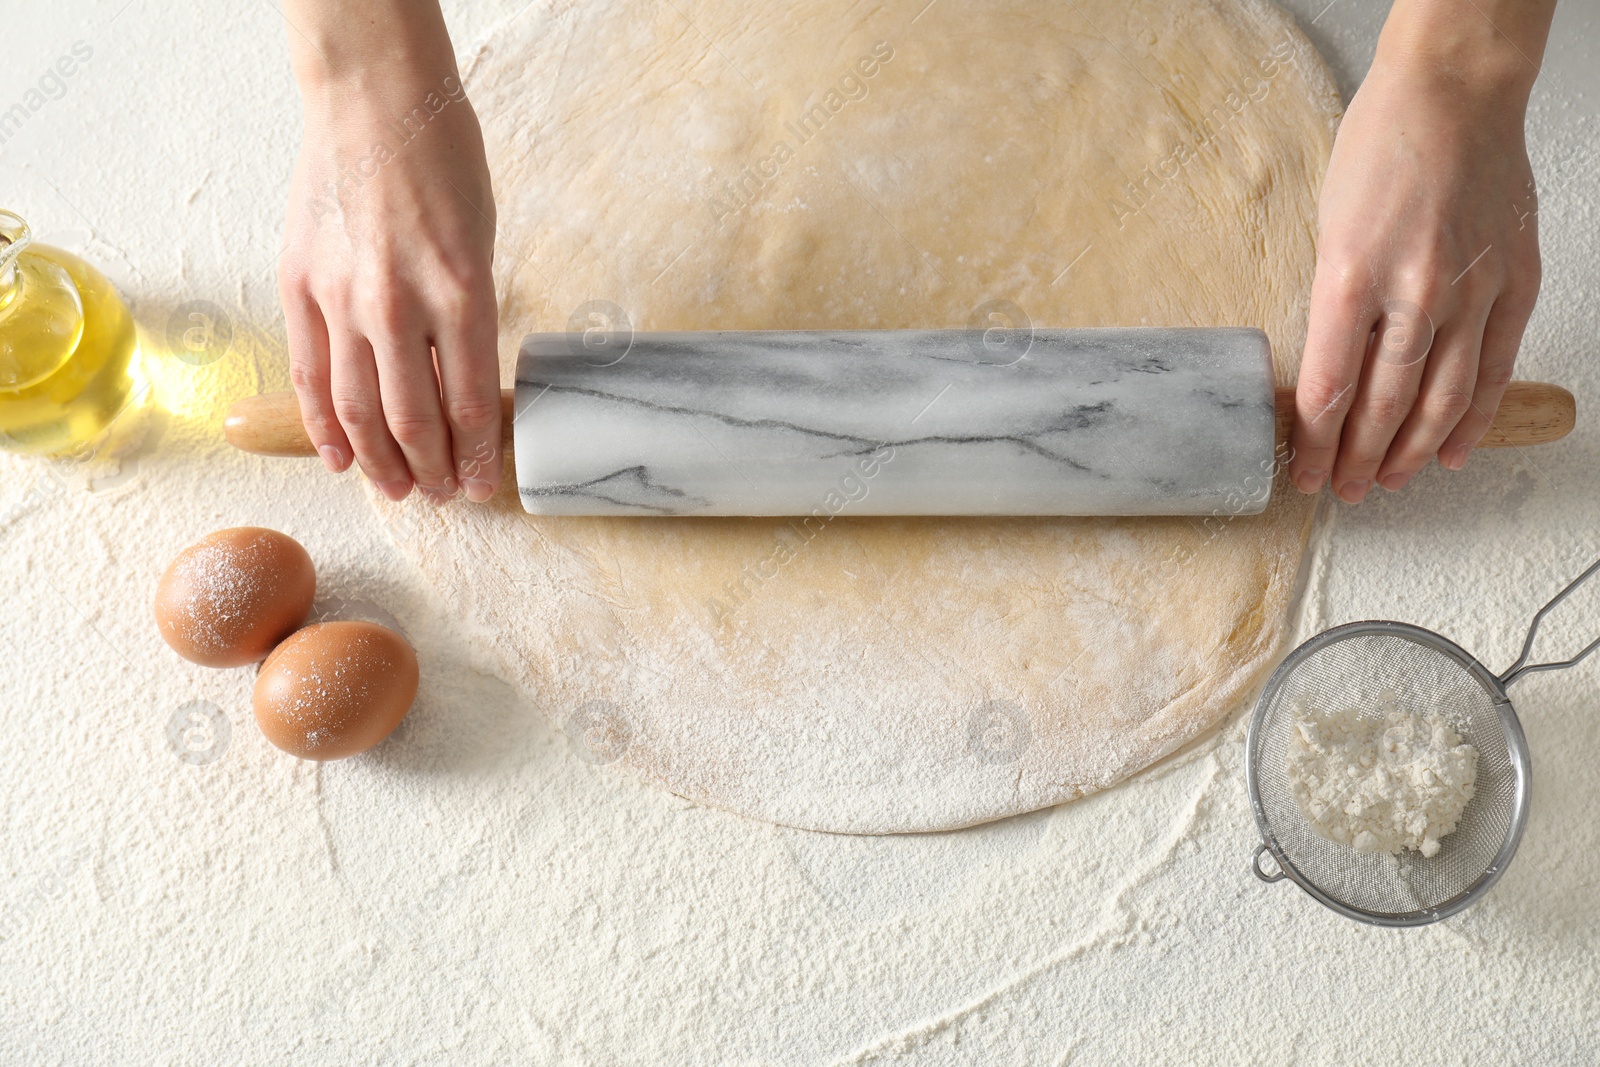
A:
(725, 165)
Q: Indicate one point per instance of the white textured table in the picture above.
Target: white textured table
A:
(474, 893)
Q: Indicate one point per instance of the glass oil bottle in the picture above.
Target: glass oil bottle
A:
(68, 347)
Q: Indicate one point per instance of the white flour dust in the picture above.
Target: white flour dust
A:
(474, 891)
(1380, 784)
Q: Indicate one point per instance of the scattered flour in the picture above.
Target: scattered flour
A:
(1381, 785)
(478, 893)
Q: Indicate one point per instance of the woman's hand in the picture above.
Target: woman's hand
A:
(385, 277)
(1428, 261)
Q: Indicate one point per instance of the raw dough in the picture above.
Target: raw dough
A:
(1091, 163)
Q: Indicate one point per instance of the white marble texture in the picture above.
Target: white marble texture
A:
(897, 422)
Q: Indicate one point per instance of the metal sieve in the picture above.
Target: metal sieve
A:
(1368, 666)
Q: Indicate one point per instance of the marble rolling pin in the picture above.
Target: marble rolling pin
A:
(899, 422)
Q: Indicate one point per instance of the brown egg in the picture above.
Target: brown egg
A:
(335, 689)
(228, 599)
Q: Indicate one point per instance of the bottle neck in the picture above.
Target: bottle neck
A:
(8, 275)
(14, 238)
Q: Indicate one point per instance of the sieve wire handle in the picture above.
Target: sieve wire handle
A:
(1522, 666)
(1255, 865)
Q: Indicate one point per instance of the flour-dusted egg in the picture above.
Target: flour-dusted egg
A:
(228, 599)
(335, 689)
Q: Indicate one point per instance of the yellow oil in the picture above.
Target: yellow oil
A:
(68, 349)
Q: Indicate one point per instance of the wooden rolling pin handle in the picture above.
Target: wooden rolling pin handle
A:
(1532, 413)
(269, 425)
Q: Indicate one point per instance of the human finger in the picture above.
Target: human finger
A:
(358, 402)
(1444, 398)
(1336, 343)
(1390, 379)
(1502, 336)
(409, 389)
(469, 375)
(308, 373)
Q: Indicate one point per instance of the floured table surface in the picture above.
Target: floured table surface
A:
(729, 166)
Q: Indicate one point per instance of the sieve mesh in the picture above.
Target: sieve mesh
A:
(1369, 667)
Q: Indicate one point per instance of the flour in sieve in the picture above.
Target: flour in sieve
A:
(1381, 784)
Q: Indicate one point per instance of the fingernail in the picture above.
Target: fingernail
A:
(1310, 481)
(433, 496)
(1352, 492)
(395, 491)
(1394, 482)
(451, 486)
(332, 458)
(1455, 458)
(478, 490)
